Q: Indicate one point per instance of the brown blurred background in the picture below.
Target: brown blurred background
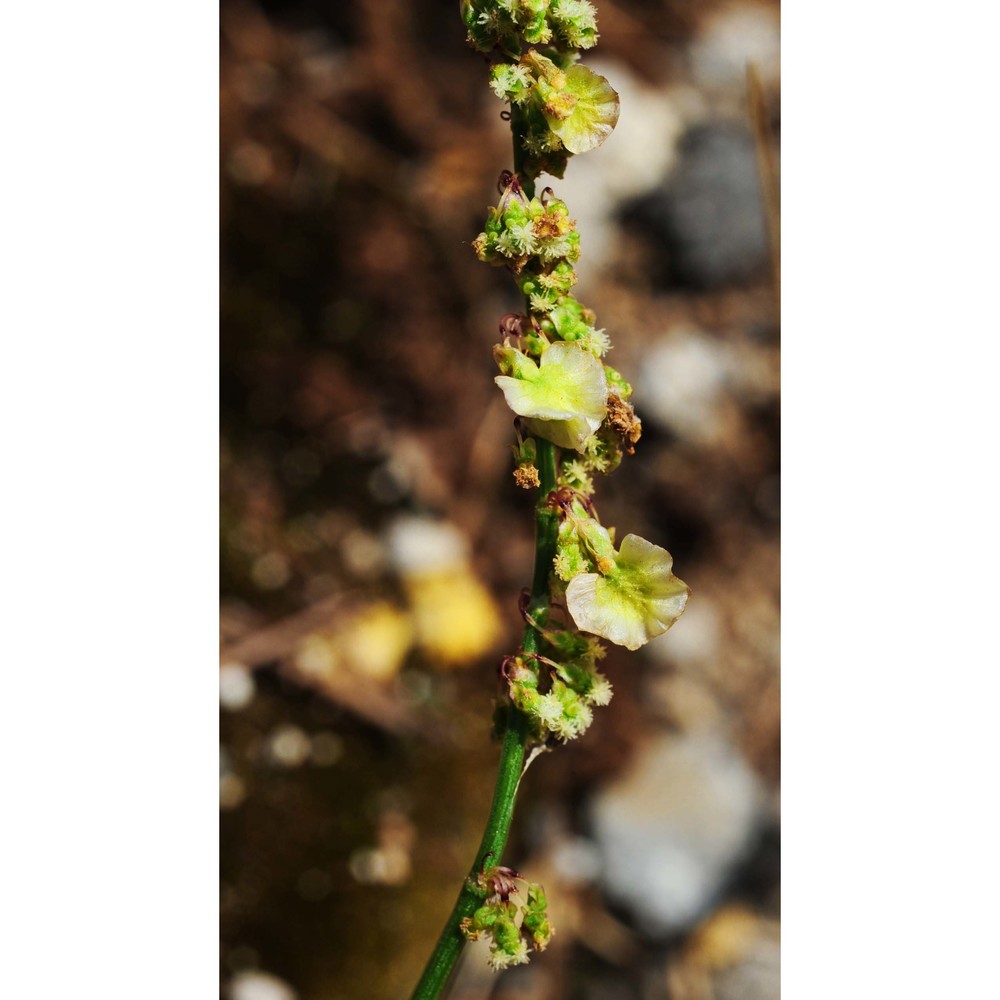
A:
(374, 543)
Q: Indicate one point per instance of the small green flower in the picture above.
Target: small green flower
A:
(632, 601)
(508, 947)
(570, 561)
(617, 382)
(600, 691)
(563, 712)
(574, 474)
(563, 399)
(571, 320)
(603, 451)
(574, 23)
(536, 918)
(587, 681)
(539, 303)
(545, 152)
(496, 918)
(560, 279)
(545, 290)
(511, 82)
(571, 688)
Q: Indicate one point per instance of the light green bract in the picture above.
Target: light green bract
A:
(563, 399)
(579, 105)
(635, 600)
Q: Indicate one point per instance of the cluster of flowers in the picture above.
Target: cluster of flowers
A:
(519, 230)
(558, 687)
(565, 108)
(503, 24)
(554, 378)
(510, 926)
(562, 108)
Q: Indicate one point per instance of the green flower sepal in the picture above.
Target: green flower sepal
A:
(545, 290)
(572, 321)
(536, 918)
(497, 919)
(563, 398)
(633, 598)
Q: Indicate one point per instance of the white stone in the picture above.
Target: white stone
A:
(252, 985)
(682, 381)
(732, 39)
(290, 746)
(421, 545)
(236, 686)
(672, 830)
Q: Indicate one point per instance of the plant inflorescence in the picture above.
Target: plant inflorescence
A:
(574, 422)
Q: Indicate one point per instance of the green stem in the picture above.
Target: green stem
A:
(518, 127)
(451, 941)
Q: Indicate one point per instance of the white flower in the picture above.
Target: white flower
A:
(638, 598)
(540, 304)
(549, 711)
(571, 726)
(600, 691)
(554, 249)
(598, 342)
(523, 236)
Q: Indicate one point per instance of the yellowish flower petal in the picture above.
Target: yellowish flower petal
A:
(564, 398)
(594, 114)
(563, 433)
(635, 602)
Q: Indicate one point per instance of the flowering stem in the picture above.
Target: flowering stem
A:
(553, 377)
(449, 946)
(450, 943)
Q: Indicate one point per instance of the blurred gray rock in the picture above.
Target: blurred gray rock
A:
(255, 985)
(672, 830)
(707, 219)
(682, 382)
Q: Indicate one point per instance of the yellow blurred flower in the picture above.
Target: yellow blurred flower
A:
(372, 641)
(455, 617)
